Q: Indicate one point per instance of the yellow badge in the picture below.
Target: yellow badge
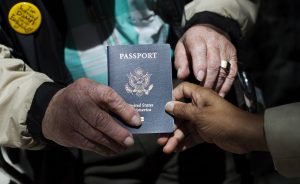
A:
(24, 18)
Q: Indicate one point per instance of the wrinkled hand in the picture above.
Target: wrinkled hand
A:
(77, 116)
(202, 48)
(212, 119)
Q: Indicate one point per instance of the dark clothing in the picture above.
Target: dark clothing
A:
(272, 52)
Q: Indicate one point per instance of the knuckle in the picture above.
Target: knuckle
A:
(114, 101)
(185, 86)
(91, 147)
(105, 125)
(109, 95)
(232, 48)
(86, 144)
(214, 39)
(214, 60)
(120, 107)
(84, 86)
(72, 98)
(82, 81)
(209, 91)
(229, 47)
(179, 111)
(101, 120)
(76, 91)
(205, 93)
(99, 138)
(213, 69)
(78, 84)
(195, 43)
(198, 47)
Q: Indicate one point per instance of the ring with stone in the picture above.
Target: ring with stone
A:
(225, 65)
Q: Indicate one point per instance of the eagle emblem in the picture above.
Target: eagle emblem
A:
(138, 83)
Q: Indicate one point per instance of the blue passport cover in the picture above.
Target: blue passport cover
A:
(142, 75)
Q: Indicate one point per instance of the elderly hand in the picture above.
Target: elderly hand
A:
(212, 119)
(78, 116)
(202, 48)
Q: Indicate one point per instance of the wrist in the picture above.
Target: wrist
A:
(49, 115)
(253, 133)
(230, 26)
(39, 105)
(220, 31)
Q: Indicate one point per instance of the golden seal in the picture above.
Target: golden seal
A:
(24, 18)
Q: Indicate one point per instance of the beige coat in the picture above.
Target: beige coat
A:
(18, 82)
(242, 11)
(282, 131)
(17, 85)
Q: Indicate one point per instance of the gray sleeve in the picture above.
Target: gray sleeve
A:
(282, 131)
(18, 84)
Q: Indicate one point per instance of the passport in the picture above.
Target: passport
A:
(142, 75)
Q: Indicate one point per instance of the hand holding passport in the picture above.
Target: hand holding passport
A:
(142, 75)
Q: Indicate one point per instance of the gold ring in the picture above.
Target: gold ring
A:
(225, 65)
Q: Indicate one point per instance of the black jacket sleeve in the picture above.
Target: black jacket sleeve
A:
(230, 26)
(38, 108)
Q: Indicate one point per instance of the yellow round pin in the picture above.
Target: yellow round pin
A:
(24, 18)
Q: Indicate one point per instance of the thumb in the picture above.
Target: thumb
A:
(181, 110)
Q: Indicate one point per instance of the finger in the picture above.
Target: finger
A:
(190, 91)
(181, 61)
(190, 142)
(213, 65)
(104, 123)
(199, 95)
(85, 144)
(106, 96)
(198, 50)
(223, 73)
(173, 142)
(97, 136)
(229, 79)
(229, 54)
(184, 90)
(182, 110)
(187, 142)
(163, 139)
(181, 147)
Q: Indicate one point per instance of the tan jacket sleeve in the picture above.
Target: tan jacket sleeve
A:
(242, 11)
(18, 84)
(282, 131)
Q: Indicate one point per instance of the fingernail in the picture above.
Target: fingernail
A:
(170, 107)
(179, 72)
(200, 75)
(129, 141)
(136, 120)
(222, 95)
